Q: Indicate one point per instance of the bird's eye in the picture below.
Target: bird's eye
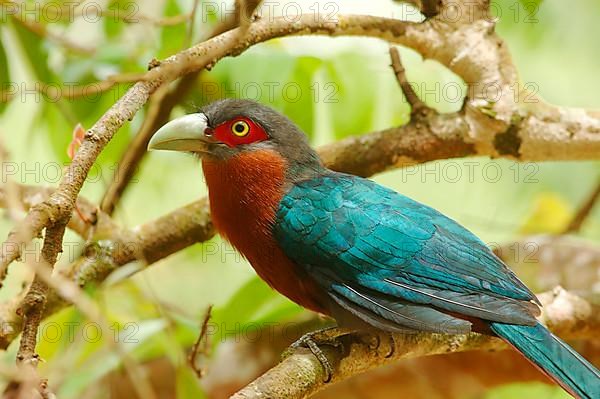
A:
(240, 128)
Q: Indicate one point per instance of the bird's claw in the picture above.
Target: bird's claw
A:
(312, 340)
(376, 344)
(392, 345)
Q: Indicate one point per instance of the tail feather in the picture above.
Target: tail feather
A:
(553, 356)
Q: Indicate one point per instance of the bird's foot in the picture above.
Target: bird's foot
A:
(313, 340)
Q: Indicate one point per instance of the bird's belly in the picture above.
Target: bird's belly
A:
(274, 267)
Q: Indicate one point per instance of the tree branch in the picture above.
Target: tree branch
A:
(301, 375)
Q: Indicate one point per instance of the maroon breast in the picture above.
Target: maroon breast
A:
(244, 193)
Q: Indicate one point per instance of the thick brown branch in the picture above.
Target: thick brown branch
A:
(301, 374)
(441, 136)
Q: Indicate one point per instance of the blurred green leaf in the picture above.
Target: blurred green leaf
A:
(526, 3)
(113, 26)
(255, 302)
(172, 37)
(527, 390)
(353, 82)
(187, 384)
(36, 51)
(95, 362)
(302, 93)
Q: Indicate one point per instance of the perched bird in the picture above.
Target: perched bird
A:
(349, 248)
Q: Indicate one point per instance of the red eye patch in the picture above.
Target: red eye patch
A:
(239, 131)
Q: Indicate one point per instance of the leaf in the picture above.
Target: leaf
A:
(77, 138)
(94, 362)
(112, 25)
(254, 303)
(247, 302)
(187, 385)
(527, 3)
(302, 93)
(354, 91)
(36, 51)
(171, 37)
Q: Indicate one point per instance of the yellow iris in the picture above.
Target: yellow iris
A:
(240, 128)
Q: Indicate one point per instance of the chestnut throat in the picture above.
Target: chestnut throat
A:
(244, 193)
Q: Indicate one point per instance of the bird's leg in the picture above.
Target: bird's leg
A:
(312, 340)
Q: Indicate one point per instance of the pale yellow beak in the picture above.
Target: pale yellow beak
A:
(182, 134)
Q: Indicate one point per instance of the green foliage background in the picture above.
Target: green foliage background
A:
(347, 88)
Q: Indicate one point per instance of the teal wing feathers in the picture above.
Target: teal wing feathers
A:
(391, 260)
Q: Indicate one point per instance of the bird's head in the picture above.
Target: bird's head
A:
(227, 128)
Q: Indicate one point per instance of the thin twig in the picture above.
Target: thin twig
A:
(417, 107)
(584, 211)
(164, 21)
(201, 340)
(32, 307)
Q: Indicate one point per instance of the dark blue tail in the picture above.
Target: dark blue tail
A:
(554, 357)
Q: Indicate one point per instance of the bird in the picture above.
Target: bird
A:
(349, 248)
